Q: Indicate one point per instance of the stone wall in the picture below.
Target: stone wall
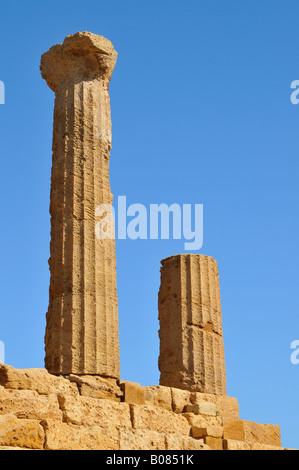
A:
(46, 412)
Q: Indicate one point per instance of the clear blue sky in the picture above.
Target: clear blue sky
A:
(201, 114)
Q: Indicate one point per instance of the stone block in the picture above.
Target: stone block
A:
(133, 393)
(180, 399)
(97, 387)
(265, 447)
(38, 380)
(141, 439)
(25, 433)
(226, 406)
(212, 431)
(202, 408)
(195, 444)
(215, 443)
(177, 442)
(256, 433)
(230, 444)
(87, 411)
(233, 429)
(158, 396)
(158, 419)
(63, 436)
(28, 404)
(202, 421)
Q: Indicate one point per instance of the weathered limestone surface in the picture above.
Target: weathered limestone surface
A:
(133, 392)
(212, 431)
(230, 444)
(227, 406)
(65, 436)
(233, 429)
(159, 396)
(266, 434)
(158, 419)
(191, 337)
(38, 380)
(97, 387)
(250, 432)
(28, 404)
(14, 432)
(94, 412)
(202, 420)
(82, 319)
(45, 412)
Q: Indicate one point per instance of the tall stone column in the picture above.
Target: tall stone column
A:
(82, 320)
(191, 337)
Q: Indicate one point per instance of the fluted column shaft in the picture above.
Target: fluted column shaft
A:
(82, 319)
(191, 337)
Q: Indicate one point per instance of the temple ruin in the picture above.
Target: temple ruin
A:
(79, 401)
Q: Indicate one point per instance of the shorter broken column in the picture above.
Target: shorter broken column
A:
(191, 336)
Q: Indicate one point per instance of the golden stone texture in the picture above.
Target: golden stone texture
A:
(44, 412)
(82, 319)
(191, 337)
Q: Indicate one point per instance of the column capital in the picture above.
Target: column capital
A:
(82, 56)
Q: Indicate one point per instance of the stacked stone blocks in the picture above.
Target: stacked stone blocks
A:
(41, 411)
